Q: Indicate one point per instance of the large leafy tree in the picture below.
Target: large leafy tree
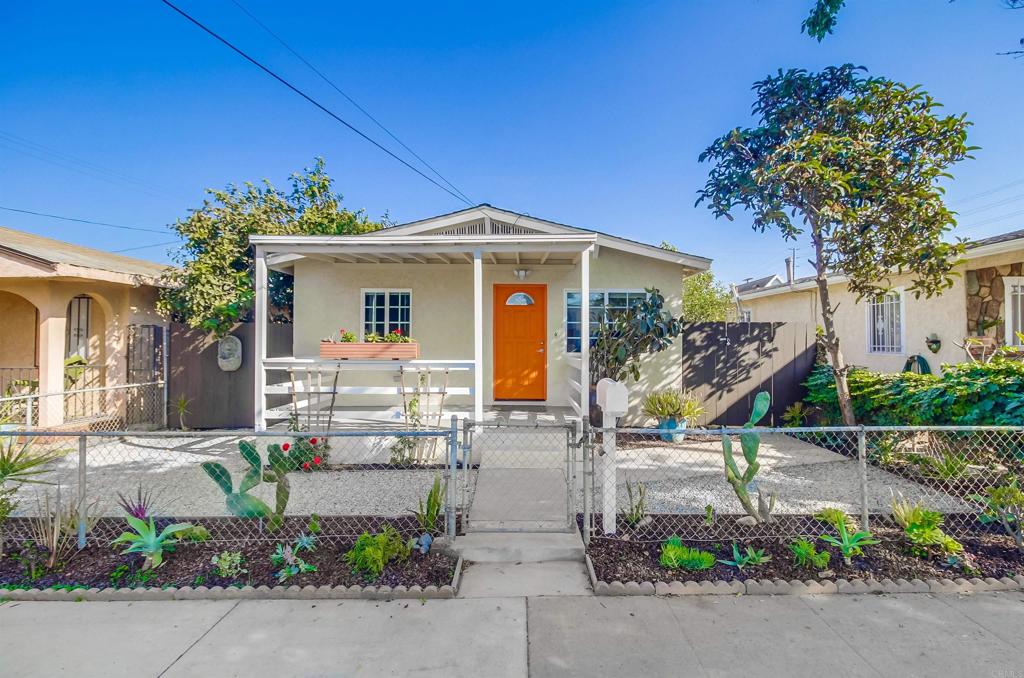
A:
(213, 288)
(825, 15)
(854, 163)
(706, 300)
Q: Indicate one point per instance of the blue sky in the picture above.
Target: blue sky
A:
(591, 114)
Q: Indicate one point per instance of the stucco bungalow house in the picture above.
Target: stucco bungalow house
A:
(497, 301)
(986, 300)
(60, 301)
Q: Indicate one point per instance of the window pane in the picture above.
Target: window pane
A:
(519, 299)
(573, 299)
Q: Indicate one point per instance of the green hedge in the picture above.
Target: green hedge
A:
(968, 394)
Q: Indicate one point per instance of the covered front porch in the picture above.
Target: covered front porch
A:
(487, 309)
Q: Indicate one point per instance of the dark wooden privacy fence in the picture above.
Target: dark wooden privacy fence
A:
(726, 364)
(217, 399)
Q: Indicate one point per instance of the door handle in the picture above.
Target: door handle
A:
(540, 350)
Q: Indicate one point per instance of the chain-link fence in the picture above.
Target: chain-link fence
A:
(649, 484)
(518, 476)
(232, 484)
(130, 407)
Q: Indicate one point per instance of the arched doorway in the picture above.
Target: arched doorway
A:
(19, 345)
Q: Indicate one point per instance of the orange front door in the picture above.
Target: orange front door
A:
(520, 342)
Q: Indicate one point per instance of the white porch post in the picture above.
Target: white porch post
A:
(585, 333)
(260, 349)
(478, 336)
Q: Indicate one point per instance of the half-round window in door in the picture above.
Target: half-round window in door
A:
(519, 299)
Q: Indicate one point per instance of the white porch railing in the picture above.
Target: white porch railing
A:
(577, 394)
(321, 383)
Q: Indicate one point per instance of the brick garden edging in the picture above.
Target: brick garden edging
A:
(293, 592)
(776, 587)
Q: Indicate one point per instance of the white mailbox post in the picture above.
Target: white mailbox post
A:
(613, 397)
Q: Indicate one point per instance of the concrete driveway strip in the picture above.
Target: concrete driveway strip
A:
(451, 638)
(922, 635)
(101, 640)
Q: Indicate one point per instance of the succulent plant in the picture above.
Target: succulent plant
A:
(245, 505)
(750, 443)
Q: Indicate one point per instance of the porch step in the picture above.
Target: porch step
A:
(520, 547)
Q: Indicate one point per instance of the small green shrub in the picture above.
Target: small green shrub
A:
(806, 555)
(675, 556)
(429, 513)
(923, 528)
(748, 557)
(144, 539)
(849, 544)
(835, 517)
(794, 416)
(229, 564)
(285, 557)
(1005, 504)
(196, 534)
(636, 494)
(372, 552)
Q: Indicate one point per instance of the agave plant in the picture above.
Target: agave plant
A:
(20, 463)
(140, 506)
(148, 542)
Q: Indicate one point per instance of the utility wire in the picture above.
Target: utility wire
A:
(352, 101)
(1016, 182)
(146, 247)
(71, 162)
(84, 221)
(313, 101)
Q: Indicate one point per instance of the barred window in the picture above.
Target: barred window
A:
(385, 311)
(885, 323)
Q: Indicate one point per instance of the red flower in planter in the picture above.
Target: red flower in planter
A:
(312, 441)
(398, 331)
(305, 466)
(317, 460)
(286, 447)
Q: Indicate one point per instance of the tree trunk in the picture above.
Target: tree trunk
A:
(839, 367)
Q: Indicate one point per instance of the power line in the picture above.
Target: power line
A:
(997, 203)
(349, 99)
(67, 161)
(83, 221)
(313, 101)
(146, 247)
(1016, 182)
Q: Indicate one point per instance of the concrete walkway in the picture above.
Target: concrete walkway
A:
(839, 635)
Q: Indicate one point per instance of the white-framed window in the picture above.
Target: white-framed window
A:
(1013, 308)
(76, 339)
(385, 311)
(885, 323)
(746, 315)
(603, 306)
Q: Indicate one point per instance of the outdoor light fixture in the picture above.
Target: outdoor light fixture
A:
(520, 273)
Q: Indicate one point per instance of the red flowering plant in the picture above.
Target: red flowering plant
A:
(396, 336)
(308, 453)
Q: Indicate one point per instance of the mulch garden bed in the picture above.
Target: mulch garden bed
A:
(101, 566)
(626, 557)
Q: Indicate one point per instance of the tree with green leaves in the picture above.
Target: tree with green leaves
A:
(213, 288)
(853, 162)
(706, 300)
(824, 17)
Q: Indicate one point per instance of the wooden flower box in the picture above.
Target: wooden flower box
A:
(361, 350)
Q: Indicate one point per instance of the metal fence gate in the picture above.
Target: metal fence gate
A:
(518, 477)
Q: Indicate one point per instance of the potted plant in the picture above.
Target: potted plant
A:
(395, 345)
(672, 409)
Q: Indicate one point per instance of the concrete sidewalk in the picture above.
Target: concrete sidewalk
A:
(838, 635)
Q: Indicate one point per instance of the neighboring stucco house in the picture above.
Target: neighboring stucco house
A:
(986, 299)
(59, 300)
(497, 300)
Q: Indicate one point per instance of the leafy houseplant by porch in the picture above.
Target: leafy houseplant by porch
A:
(392, 346)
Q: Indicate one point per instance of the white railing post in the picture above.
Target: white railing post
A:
(613, 398)
(478, 336)
(585, 333)
(83, 504)
(260, 349)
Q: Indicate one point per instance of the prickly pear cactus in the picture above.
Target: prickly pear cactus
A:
(245, 505)
(750, 443)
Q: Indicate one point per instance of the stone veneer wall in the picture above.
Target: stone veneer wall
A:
(985, 294)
